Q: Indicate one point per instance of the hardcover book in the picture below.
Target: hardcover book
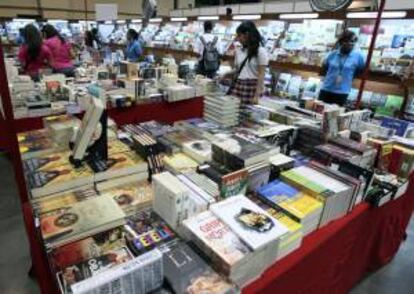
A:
(234, 183)
(58, 179)
(81, 220)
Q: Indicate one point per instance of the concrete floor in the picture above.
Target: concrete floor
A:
(395, 278)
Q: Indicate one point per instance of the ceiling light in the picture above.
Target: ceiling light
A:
(178, 19)
(247, 17)
(298, 15)
(155, 19)
(374, 14)
(207, 18)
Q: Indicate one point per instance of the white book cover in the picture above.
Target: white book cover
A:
(252, 224)
(327, 181)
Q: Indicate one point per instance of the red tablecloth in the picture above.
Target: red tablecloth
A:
(330, 260)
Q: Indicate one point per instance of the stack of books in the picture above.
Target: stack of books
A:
(171, 199)
(80, 220)
(223, 110)
(280, 163)
(204, 183)
(199, 150)
(254, 226)
(179, 92)
(145, 231)
(203, 128)
(302, 208)
(402, 160)
(179, 163)
(228, 253)
(366, 153)
(61, 128)
(155, 128)
(186, 272)
(335, 195)
(199, 199)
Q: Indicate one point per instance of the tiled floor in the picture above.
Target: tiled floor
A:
(395, 278)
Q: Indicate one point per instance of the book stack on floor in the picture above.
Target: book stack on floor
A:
(223, 110)
(301, 207)
(335, 195)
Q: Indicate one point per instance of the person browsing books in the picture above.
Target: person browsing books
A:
(33, 54)
(61, 51)
(207, 50)
(250, 63)
(134, 49)
(340, 68)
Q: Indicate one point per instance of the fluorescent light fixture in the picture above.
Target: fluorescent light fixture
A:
(247, 17)
(208, 18)
(121, 21)
(136, 20)
(374, 14)
(56, 20)
(155, 19)
(24, 19)
(108, 22)
(178, 19)
(298, 15)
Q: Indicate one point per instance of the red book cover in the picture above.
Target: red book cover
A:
(395, 163)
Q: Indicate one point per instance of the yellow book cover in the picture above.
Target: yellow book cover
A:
(292, 225)
(116, 146)
(301, 207)
(180, 162)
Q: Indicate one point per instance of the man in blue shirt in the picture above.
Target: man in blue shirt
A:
(340, 68)
(134, 49)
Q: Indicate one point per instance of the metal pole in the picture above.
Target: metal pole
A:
(12, 144)
(370, 52)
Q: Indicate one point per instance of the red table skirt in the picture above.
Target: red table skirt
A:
(331, 260)
(161, 111)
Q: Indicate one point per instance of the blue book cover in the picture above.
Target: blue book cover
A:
(400, 126)
(277, 191)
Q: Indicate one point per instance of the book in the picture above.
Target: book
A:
(116, 146)
(81, 220)
(46, 162)
(251, 223)
(145, 231)
(85, 249)
(179, 163)
(146, 271)
(186, 272)
(58, 179)
(132, 197)
(234, 183)
(117, 165)
(199, 150)
(91, 267)
(54, 202)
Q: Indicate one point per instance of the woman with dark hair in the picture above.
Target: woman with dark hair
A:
(61, 51)
(250, 64)
(33, 55)
(340, 68)
(134, 49)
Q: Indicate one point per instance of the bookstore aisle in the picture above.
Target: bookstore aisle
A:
(15, 260)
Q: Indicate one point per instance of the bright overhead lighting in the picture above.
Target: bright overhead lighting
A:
(121, 21)
(24, 19)
(155, 20)
(207, 18)
(108, 22)
(385, 14)
(179, 19)
(247, 17)
(136, 20)
(56, 20)
(298, 15)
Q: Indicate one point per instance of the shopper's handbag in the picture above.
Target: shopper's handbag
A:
(236, 76)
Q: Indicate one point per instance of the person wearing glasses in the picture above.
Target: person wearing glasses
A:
(340, 68)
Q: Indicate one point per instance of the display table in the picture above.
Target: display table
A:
(161, 111)
(330, 260)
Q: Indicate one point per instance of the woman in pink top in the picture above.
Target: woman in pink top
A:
(61, 51)
(33, 55)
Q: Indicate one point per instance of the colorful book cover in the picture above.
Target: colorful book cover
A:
(186, 272)
(119, 161)
(146, 230)
(76, 222)
(217, 236)
(302, 206)
(89, 268)
(234, 183)
(43, 144)
(88, 248)
(278, 191)
(116, 146)
(46, 162)
(32, 136)
(253, 225)
(180, 162)
(58, 178)
(132, 197)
